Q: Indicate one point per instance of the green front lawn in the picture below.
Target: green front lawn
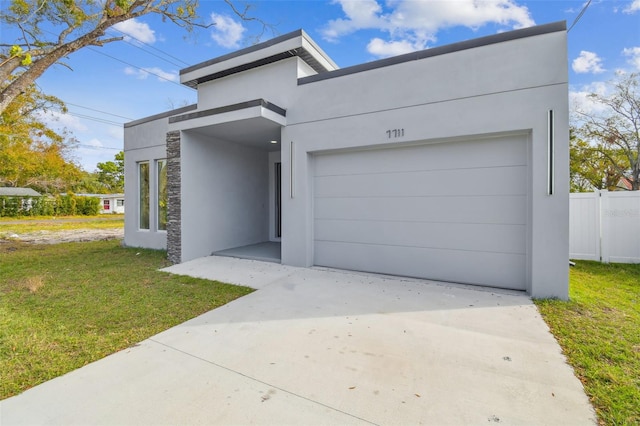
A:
(599, 331)
(63, 306)
(10, 226)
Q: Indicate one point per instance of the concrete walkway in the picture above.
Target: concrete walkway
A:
(327, 347)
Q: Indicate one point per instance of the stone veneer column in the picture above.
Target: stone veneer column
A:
(174, 230)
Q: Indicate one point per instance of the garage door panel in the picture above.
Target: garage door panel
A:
(452, 209)
(475, 237)
(490, 181)
(442, 156)
(483, 268)
(448, 211)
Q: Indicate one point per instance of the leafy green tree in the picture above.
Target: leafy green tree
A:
(53, 29)
(615, 133)
(88, 184)
(111, 174)
(591, 166)
(32, 154)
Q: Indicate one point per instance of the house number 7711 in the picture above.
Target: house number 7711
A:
(395, 133)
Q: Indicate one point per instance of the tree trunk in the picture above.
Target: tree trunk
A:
(8, 67)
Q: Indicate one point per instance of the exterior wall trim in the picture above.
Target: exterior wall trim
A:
(441, 50)
(161, 115)
(230, 108)
(301, 52)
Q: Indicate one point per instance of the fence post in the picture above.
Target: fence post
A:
(598, 223)
(605, 223)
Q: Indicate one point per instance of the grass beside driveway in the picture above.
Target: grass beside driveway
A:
(599, 331)
(63, 306)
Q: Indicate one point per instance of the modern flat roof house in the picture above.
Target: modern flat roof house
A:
(449, 163)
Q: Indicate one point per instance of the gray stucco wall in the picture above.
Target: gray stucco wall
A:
(144, 142)
(224, 195)
(505, 87)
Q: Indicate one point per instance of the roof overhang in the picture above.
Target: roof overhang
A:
(294, 44)
(254, 123)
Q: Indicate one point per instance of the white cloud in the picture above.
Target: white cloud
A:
(580, 101)
(226, 32)
(58, 120)
(381, 48)
(360, 15)
(162, 76)
(587, 62)
(414, 23)
(634, 56)
(633, 7)
(137, 30)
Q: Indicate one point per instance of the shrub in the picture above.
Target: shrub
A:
(61, 205)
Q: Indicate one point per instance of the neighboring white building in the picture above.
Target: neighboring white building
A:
(449, 163)
(109, 203)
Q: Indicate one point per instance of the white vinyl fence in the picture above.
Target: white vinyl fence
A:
(605, 226)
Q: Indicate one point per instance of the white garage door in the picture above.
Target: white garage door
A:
(453, 211)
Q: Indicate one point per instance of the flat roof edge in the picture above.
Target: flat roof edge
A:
(230, 108)
(165, 114)
(318, 49)
(441, 50)
(250, 49)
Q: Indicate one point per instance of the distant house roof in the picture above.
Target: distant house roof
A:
(625, 183)
(18, 192)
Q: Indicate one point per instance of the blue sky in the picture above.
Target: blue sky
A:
(109, 86)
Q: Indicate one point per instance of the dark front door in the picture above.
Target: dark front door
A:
(278, 203)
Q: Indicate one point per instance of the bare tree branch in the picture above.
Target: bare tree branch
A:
(618, 128)
(83, 24)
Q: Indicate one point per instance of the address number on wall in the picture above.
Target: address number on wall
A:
(395, 133)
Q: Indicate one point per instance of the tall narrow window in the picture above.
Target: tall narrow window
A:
(162, 194)
(143, 181)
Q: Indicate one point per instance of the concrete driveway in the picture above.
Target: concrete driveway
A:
(317, 346)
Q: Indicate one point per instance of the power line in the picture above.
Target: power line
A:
(97, 110)
(15, 135)
(575, 21)
(135, 66)
(151, 47)
(97, 119)
(110, 122)
(99, 147)
(129, 64)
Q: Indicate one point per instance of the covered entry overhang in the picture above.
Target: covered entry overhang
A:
(255, 123)
(230, 187)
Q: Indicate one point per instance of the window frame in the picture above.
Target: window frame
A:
(142, 207)
(161, 166)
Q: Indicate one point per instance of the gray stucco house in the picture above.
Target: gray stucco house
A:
(449, 163)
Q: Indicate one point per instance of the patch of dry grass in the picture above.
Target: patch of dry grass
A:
(32, 283)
